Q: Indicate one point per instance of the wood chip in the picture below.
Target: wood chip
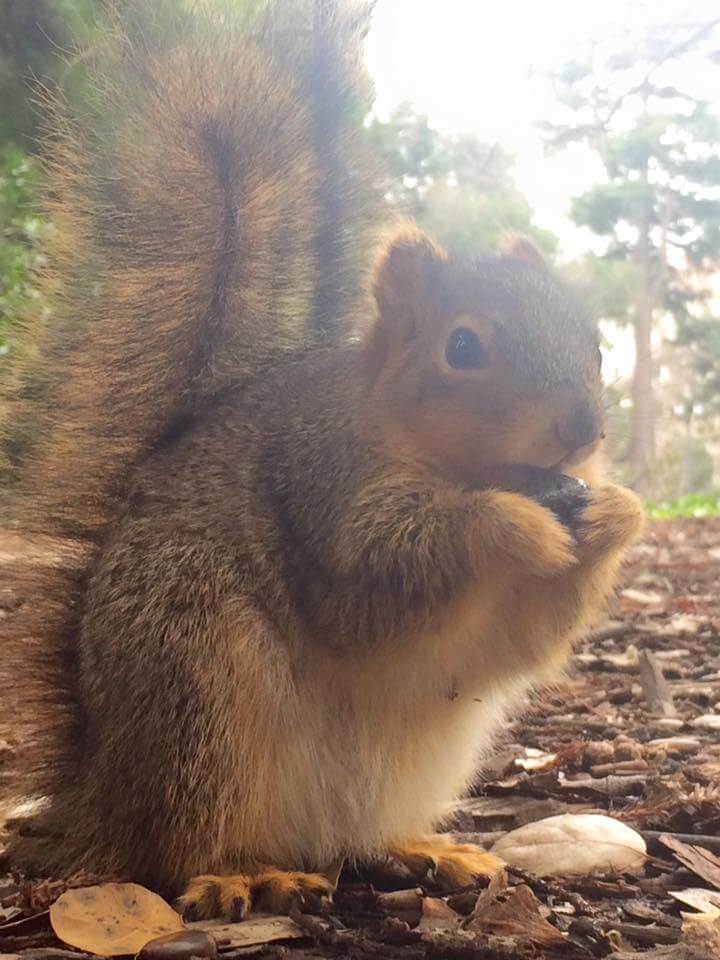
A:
(655, 687)
(684, 745)
(706, 901)
(709, 721)
(703, 863)
(258, 928)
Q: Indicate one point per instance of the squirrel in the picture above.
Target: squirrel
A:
(322, 521)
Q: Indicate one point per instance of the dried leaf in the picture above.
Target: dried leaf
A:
(515, 913)
(497, 886)
(573, 844)
(112, 919)
(437, 915)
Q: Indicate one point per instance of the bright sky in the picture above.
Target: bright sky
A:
(476, 66)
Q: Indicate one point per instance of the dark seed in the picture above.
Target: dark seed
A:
(180, 946)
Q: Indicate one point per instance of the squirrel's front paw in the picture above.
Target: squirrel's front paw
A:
(611, 521)
(567, 497)
(529, 534)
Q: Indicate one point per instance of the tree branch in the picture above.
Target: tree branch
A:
(671, 54)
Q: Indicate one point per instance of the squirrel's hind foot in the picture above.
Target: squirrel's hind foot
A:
(445, 862)
(267, 891)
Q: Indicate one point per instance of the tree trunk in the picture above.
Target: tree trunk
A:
(642, 424)
(686, 465)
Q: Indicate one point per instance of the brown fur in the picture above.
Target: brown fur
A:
(309, 600)
(194, 201)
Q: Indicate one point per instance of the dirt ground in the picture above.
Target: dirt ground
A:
(633, 731)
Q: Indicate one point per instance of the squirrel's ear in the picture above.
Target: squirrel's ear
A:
(403, 275)
(404, 278)
(518, 247)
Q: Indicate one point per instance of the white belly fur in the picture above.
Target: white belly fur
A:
(366, 748)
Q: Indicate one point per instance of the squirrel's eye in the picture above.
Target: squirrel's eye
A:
(464, 350)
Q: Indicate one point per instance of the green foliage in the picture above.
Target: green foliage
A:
(21, 231)
(411, 156)
(683, 464)
(658, 212)
(37, 41)
(660, 178)
(473, 220)
(49, 44)
(607, 285)
(458, 188)
(617, 432)
(701, 336)
(38, 51)
(659, 148)
(607, 206)
(692, 505)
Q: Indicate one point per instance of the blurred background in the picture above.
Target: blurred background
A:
(593, 128)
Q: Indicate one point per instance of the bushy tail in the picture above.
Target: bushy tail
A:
(210, 204)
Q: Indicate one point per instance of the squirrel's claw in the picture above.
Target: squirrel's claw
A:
(445, 863)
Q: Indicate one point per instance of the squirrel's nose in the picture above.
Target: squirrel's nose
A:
(580, 428)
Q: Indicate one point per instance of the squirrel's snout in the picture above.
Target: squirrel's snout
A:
(580, 428)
